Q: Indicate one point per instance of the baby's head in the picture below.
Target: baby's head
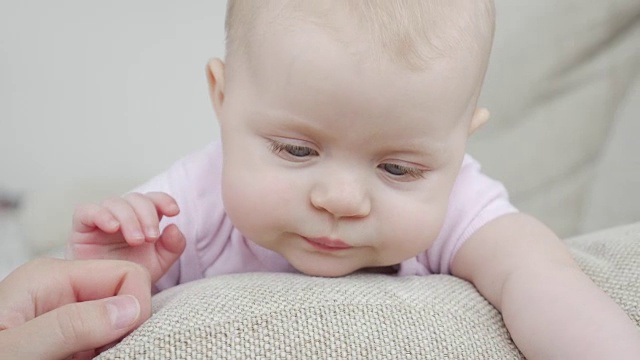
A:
(344, 123)
(409, 33)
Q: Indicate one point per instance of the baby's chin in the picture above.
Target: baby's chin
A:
(322, 270)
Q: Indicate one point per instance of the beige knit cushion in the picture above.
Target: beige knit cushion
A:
(363, 316)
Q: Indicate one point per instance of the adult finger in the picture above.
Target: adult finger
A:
(72, 328)
(45, 284)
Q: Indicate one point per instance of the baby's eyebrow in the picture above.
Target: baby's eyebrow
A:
(287, 121)
(414, 148)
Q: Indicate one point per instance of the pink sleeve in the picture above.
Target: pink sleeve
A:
(194, 182)
(475, 200)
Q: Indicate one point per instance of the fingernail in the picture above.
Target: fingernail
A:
(123, 310)
(152, 232)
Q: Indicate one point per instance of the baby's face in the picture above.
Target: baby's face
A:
(337, 163)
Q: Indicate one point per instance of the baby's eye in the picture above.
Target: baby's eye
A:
(297, 151)
(402, 171)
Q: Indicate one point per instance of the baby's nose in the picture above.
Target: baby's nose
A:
(343, 196)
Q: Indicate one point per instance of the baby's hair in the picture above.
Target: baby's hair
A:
(409, 32)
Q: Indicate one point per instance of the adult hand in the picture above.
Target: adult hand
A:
(53, 309)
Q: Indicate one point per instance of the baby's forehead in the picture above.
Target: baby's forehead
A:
(409, 32)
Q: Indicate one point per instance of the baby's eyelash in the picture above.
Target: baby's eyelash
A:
(298, 153)
(415, 173)
(397, 170)
(276, 146)
(292, 150)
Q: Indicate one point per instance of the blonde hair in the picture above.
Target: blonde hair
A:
(409, 32)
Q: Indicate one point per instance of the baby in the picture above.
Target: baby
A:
(343, 131)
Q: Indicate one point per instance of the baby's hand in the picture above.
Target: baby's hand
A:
(127, 228)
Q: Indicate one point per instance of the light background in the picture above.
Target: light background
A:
(102, 92)
(96, 97)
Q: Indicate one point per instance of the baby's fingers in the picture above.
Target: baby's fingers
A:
(88, 217)
(164, 203)
(169, 248)
(148, 214)
(130, 225)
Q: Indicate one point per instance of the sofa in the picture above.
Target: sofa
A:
(563, 88)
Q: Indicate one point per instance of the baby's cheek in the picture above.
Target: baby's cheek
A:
(255, 202)
(239, 199)
(415, 228)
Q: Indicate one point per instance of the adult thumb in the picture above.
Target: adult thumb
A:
(72, 328)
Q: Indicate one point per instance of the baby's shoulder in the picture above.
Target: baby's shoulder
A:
(204, 164)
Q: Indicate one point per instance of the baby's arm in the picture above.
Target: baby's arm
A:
(551, 308)
(127, 228)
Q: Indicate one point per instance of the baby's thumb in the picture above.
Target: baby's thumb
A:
(169, 248)
(75, 328)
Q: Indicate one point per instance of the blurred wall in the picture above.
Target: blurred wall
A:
(103, 92)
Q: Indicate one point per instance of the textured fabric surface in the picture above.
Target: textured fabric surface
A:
(363, 316)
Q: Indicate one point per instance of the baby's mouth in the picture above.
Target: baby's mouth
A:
(328, 244)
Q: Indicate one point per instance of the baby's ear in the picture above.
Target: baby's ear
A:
(215, 76)
(480, 117)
